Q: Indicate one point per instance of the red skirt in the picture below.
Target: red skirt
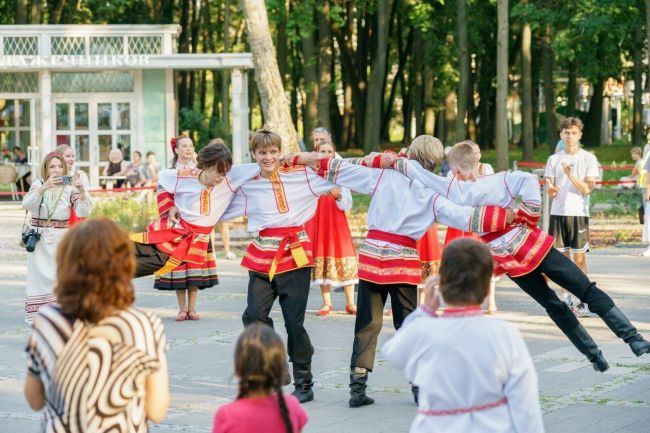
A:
(428, 247)
(74, 219)
(453, 233)
(335, 258)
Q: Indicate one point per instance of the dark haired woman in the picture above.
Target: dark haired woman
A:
(190, 203)
(96, 363)
(50, 203)
(260, 365)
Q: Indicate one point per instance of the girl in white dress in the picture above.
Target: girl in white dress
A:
(50, 202)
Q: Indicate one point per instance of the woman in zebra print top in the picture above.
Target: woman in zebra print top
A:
(96, 363)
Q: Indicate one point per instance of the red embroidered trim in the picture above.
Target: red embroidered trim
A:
(463, 410)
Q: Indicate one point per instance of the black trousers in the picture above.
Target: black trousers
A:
(370, 315)
(148, 259)
(293, 290)
(562, 271)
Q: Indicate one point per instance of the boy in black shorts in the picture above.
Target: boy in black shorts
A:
(570, 176)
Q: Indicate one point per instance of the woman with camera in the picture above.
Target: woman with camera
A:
(95, 363)
(49, 201)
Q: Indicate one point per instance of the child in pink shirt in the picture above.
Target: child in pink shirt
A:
(260, 365)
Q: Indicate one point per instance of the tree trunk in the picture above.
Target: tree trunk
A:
(283, 44)
(375, 90)
(183, 47)
(572, 90)
(310, 77)
(324, 65)
(527, 94)
(450, 117)
(429, 113)
(194, 42)
(592, 135)
(463, 67)
(501, 131)
(21, 12)
(267, 75)
(637, 122)
(471, 105)
(225, 83)
(36, 14)
(647, 31)
(549, 92)
(418, 91)
(57, 12)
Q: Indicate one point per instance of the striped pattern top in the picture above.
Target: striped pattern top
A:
(94, 375)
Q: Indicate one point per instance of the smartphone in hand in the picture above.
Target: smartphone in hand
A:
(66, 180)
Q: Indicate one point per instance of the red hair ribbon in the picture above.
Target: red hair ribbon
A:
(173, 144)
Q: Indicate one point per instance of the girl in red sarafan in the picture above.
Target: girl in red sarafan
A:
(335, 259)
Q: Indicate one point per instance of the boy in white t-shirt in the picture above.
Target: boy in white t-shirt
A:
(571, 176)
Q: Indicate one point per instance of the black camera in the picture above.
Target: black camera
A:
(30, 237)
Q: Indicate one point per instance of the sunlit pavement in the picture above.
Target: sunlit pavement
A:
(574, 397)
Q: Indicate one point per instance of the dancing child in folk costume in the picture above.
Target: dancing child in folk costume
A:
(400, 212)
(190, 202)
(335, 258)
(277, 204)
(445, 355)
(526, 254)
(185, 279)
(50, 203)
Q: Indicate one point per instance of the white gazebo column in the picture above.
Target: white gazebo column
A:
(170, 112)
(47, 142)
(240, 109)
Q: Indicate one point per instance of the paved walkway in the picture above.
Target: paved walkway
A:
(574, 398)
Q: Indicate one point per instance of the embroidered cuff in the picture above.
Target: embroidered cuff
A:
(400, 165)
(165, 202)
(488, 219)
(528, 214)
(329, 168)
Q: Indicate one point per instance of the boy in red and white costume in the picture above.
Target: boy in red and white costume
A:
(524, 252)
(400, 212)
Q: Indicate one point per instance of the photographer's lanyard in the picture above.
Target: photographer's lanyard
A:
(50, 212)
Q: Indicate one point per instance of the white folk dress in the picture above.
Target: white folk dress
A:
(474, 373)
(56, 204)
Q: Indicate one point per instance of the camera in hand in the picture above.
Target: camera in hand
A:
(30, 237)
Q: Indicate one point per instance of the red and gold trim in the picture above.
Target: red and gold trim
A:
(278, 250)
(189, 172)
(56, 224)
(488, 219)
(278, 193)
(394, 263)
(165, 202)
(524, 252)
(205, 201)
(528, 214)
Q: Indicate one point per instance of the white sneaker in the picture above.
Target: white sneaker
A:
(646, 253)
(569, 301)
(582, 310)
(230, 255)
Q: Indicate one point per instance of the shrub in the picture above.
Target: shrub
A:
(127, 211)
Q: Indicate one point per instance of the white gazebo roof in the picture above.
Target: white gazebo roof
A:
(102, 47)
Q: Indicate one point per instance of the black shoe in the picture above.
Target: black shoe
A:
(303, 395)
(358, 384)
(303, 382)
(588, 347)
(415, 390)
(640, 347)
(620, 324)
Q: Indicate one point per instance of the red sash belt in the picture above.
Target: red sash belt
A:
(489, 237)
(289, 236)
(393, 238)
(463, 410)
(188, 245)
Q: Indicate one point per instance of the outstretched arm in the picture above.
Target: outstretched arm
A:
(358, 178)
(479, 219)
